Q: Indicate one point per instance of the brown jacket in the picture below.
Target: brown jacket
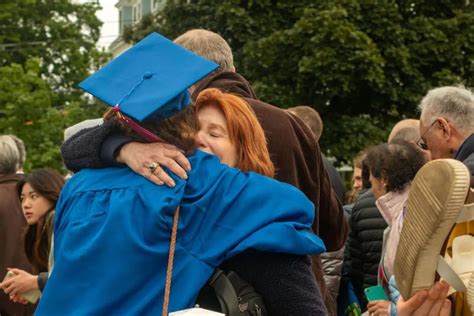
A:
(12, 253)
(297, 159)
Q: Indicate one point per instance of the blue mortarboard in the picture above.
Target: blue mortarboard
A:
(150, 79)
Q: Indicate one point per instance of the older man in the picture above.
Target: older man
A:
(447, 125)
(447, 131)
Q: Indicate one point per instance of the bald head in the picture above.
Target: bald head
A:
(407, 130)
(209, 45)
(310, 117)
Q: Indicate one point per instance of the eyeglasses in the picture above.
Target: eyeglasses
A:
(421, 142)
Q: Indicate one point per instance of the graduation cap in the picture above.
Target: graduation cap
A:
(150, 80)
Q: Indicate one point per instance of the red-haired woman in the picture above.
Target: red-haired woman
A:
(228, 129)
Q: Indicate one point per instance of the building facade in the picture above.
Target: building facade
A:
(130, 13)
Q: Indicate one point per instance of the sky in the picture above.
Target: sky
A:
(109, 16)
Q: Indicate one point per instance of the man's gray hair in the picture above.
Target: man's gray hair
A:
(21, 150)
(209, 45)
(455, 103)
(9, 156)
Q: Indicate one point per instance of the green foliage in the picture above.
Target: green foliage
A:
(362, 64)
(62, 33)
(46, 49)
(27, 111)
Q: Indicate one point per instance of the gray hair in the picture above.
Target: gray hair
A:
(455, 103)
(9, 155)
(21, 150)
(209, 45)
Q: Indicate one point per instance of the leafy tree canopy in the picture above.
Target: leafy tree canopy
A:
(27, 111)
(46, 48)
(362, 64)
(62, 34)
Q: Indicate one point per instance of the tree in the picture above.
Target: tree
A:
(362, 64)
(46, 48)
(62, 34)
(27, 111)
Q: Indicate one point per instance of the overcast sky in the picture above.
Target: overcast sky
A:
(109, 16)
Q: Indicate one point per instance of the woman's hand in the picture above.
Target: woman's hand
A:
(20, 283)
(424, 303)
(138, 157)
(17, 298)
(379, 307)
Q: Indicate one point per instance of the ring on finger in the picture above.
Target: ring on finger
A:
(152, 166)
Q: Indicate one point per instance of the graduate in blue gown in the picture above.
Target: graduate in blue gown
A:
(112, 227)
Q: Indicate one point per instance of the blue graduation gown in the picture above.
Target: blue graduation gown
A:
(112, 234)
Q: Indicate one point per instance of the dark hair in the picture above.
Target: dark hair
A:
(47, 183)
(179, 129)
(397, 163)
(366, 175)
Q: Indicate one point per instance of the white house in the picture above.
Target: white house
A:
(130, 12)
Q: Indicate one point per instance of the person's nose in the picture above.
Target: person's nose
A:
(26, 203)
(199, 139)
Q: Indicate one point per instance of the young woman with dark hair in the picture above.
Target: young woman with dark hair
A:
(39, 191)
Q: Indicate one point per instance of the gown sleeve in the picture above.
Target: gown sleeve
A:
(238, 211)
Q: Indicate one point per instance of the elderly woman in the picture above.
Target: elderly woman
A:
(392, 168)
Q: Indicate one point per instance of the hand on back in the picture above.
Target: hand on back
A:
(139, 157)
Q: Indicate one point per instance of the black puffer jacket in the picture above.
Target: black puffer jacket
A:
(365, 244)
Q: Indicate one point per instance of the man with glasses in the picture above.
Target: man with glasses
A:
(447, 131)
(447, 124)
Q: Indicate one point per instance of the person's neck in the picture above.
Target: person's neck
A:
(458, 139)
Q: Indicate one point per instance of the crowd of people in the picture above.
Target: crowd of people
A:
(192, 182)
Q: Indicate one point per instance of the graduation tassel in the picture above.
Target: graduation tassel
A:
(149, 136)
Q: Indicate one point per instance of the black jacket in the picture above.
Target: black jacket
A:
(365, 244)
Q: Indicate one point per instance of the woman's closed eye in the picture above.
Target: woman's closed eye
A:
(215, 134)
